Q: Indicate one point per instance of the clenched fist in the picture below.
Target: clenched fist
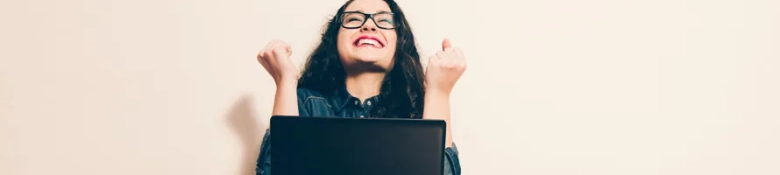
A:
(275, 58)
(444, 69)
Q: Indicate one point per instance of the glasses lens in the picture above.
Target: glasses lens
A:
(356, 20)
(353, 19)
(384, 20)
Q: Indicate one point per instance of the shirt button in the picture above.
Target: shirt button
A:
(368, 103)
(357, 102)
(361, 116)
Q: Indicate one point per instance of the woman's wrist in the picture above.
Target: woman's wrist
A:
(437, 93)
(287, 84)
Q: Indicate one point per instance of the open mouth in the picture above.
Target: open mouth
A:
(368, 41)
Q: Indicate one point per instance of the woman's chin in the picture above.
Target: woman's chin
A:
(364, 60)
(371, 64)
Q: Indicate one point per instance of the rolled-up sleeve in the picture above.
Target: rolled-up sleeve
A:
(264, 160)
(263, 166)
(451, 161)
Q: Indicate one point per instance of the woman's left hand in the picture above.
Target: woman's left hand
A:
(444, 69)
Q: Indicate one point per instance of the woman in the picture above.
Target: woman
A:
(366, 65)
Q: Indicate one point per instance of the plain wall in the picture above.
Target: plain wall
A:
(599, 87)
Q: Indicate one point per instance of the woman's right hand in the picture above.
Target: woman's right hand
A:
(275, 58)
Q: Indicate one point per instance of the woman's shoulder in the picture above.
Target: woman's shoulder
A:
(305, 93)
(313, 103)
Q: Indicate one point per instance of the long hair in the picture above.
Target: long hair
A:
(402, 90)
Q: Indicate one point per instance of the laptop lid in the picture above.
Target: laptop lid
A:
(346, 146)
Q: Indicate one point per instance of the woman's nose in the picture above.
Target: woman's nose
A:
(368, 26)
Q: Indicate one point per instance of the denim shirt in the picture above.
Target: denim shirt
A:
(339, 104)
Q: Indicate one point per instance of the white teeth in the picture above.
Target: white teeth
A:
(368, 41)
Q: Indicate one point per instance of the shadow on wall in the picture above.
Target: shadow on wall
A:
(244, 121)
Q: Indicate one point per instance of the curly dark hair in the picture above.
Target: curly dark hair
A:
(402, 91)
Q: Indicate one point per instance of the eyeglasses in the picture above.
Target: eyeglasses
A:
(354, 20)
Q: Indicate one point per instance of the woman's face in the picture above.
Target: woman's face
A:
(367, 46)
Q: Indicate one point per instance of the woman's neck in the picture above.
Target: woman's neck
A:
(365, 85)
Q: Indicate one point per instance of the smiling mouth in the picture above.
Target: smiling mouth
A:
(368, 42)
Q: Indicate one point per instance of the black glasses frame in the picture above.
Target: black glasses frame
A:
(366, 16)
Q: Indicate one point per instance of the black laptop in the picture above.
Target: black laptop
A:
(352, 146)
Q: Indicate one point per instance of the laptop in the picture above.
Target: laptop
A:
(352, 146)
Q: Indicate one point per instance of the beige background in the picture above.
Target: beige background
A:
(599, 87)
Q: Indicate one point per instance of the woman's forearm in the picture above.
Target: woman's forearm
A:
(437, 106)
(286, 100)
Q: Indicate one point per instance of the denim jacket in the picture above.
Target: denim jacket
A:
(339, 104)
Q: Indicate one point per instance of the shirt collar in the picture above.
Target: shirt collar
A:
(341, 98)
